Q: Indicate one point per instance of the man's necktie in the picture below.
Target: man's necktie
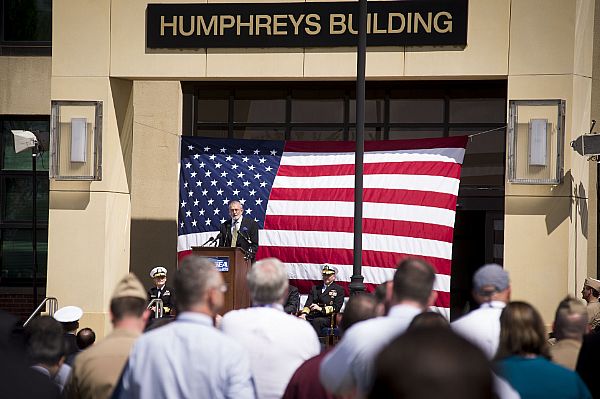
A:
(234, 235)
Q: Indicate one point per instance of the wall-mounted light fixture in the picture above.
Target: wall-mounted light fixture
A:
(76, 140)
(535, 141)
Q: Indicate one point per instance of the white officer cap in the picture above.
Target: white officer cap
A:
(68, 314)
(158, 271)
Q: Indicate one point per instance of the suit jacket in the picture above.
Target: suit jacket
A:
(167, 296)
(71, 348)
(292, 305)
(331, 300)
(248, 227)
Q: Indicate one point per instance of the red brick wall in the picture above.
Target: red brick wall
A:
(19, 302)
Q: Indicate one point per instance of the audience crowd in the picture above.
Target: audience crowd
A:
(389, 344)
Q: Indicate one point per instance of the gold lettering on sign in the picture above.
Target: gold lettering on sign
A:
(420, 21)
(225, 25)
(249, 24)
(375, 28)
(315, 25)
(277, 25)
(337, 20)
(447, 22)
(296, 22)
(202, 29)
(181, 27)
(350, 25)
(266, 24)
(172, 25)
(391, 17)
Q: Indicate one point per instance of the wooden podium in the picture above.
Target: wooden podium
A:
(237, 295)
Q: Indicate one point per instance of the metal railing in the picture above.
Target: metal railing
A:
(158, 309)
(52, 308)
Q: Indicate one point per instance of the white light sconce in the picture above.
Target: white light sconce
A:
(535, 141)
(76, 140)
(538, 142)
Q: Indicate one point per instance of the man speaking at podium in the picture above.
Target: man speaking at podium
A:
(239, 231)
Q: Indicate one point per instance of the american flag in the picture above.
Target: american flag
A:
(301, 194)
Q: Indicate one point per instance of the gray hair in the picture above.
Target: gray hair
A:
(196, 275)
(571, 319)
(267, 281)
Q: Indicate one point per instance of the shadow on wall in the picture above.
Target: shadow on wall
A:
(78, 199)
(153, 243)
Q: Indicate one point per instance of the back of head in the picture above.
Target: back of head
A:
(45, 343)
(413, 280)
(522, 331)
(428, 320)
(196, 275)
(427, 362)
(268, 282)
(129, 299)
(359, 307)
(85, 338)
(570, 320)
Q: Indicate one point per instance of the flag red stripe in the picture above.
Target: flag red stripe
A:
(339, 256)
(387, 145)
(304, 286)
(375, 195)
(370, 226)
(446, 169)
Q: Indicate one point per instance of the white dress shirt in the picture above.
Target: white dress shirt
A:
(277, 343)
(187, 358)
(350, 364)
(482, 327)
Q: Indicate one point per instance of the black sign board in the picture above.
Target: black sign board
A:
(390, 23)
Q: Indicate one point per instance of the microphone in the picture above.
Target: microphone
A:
(211, 239)
(216, 239)
(244, 233)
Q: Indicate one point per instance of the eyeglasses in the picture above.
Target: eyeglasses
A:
(235, 209)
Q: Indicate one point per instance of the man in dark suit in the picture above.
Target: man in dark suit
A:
(324, 299)
(162, 291)
(239, 231)
(292, 304)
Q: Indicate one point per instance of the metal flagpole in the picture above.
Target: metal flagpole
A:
(356, 282)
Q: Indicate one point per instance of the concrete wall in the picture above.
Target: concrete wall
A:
(25, 85)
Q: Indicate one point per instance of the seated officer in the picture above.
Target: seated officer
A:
(162, 291)
(323, 300)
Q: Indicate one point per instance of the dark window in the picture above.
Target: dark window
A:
(16, 204)
(25, 27)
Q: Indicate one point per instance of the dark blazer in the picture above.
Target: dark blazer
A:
(167, 296)
(331, 299)
(292, 305)
(248, 228)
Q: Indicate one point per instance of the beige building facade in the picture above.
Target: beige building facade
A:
(97, 231)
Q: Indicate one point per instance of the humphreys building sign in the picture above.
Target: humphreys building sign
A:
(389, 23)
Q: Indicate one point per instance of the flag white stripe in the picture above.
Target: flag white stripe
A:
(438, 184)
(341, 240)
(185, 242)
(454, 155)
(372, 275)
(443, 311)
(371, 210)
